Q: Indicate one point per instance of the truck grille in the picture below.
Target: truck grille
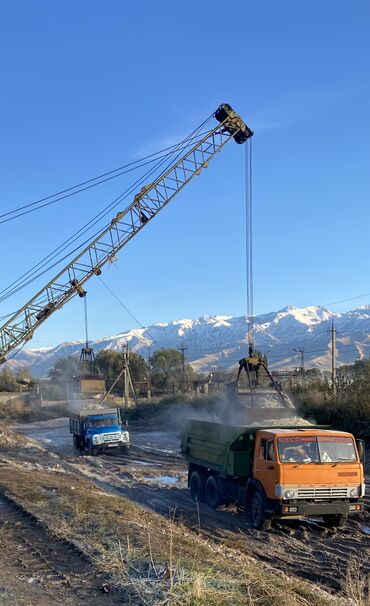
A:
(111, 437)
(322, 493)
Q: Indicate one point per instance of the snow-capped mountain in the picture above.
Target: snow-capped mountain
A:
(220, 341)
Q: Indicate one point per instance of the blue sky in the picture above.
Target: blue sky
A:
(89, 86)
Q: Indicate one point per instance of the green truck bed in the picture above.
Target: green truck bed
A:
(227, 449)
(224, 448)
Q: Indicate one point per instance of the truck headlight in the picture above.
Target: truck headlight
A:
(289, 494)
(362, 493)
(353, 493)
(97, 439)
(124, 436)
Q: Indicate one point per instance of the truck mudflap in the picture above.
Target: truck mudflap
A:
(306, 508)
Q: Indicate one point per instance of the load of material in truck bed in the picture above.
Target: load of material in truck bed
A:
(95, 412)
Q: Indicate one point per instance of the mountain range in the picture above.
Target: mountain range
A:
(220, 341)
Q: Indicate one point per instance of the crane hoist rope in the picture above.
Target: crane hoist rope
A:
(254, 364)
(249, 243)
(87, 363)
(152, 197)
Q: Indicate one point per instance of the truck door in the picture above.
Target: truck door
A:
(264, 465)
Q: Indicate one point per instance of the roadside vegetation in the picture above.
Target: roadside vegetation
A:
(162, 373)
(20, 410)
(348, 408)
(8, 381)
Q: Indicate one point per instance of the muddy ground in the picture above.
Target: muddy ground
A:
(154, 474)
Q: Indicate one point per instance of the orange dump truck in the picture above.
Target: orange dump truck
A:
(275, 472)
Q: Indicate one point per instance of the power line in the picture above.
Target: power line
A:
(20, 283)
(349, 299)
(129, 312)
(85, 185)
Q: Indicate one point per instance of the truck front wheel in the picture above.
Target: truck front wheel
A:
(212, 492)
(257, 510)
(91, 450)
(196, 485)
(335, 520)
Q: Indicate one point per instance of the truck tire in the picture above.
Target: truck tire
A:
(77, 443)
(335, 520)
(124, 450)
(257, 511)
(196, 485)
(91, 450)
(212, 491)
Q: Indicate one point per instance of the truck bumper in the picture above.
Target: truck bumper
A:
(307, 508)
(110, 445)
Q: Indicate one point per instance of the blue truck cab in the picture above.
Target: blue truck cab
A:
(97, 430)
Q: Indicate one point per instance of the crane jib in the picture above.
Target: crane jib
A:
(124, 226)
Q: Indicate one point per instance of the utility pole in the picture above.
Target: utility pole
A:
(333, 332)
(149, 390)
(183, 374)
(128, 384)
(125, 355)
(300, 351)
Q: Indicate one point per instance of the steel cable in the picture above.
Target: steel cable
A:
(20, 283)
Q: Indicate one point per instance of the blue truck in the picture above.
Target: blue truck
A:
(97, 430)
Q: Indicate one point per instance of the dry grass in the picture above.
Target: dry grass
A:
(9, 439)
(17, 410)
(357, 588)
(152, 560)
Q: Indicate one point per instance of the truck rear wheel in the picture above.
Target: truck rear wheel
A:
(212, 492)
(335, 520)
(77, 443)
(257, 511)
(196, 485)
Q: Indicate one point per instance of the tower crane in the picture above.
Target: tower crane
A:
(70, 281)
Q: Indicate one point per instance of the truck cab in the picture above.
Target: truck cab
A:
(276, 472)
(309, 472)
(97, 430)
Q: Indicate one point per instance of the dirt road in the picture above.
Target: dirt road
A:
(154, 474)
(37, 569)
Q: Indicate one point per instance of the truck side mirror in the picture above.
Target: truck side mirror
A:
(361, 450)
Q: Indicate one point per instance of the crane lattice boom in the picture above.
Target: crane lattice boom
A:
(124, 226)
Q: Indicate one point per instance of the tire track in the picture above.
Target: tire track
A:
(50, 571)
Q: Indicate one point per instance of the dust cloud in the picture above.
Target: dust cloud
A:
(223, 410)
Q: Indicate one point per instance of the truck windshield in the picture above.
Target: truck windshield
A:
(298, 449)
(312, 449)
(102, 422)
(334, 449)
